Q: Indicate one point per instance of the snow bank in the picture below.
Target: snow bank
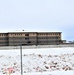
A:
(43, 61)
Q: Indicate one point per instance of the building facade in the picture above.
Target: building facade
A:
(30, 38)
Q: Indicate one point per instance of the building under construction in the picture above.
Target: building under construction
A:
(30, 38)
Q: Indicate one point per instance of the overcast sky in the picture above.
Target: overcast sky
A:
(38, 15)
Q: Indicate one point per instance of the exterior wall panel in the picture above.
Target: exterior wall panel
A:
(30, 38)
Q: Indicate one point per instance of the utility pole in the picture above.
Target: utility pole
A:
(21, 59)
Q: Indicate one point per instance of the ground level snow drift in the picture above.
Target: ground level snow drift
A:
(47, 61)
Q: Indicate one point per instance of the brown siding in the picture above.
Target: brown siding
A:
(30, 38)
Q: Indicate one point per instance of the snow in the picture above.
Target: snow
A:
(41, 61)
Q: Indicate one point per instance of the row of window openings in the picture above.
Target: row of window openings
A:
(50, 34)
(41, 42)
(3, 42)
(31, 41)
(40, 34)
(3, 34)
(45, 38)
(10, 42)
(45, 34)
(31, 38)
(32, 34)
(28, 38)
(11, 34)
(3, 38)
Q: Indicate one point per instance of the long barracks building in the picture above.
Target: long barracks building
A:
(30, 38)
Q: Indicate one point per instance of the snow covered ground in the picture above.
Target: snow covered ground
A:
(42, 61)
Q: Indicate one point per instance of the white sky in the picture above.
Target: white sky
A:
(38, 15)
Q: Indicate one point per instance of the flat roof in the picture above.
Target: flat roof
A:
(30, 32)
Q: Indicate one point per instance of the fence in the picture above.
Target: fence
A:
(34, 46)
